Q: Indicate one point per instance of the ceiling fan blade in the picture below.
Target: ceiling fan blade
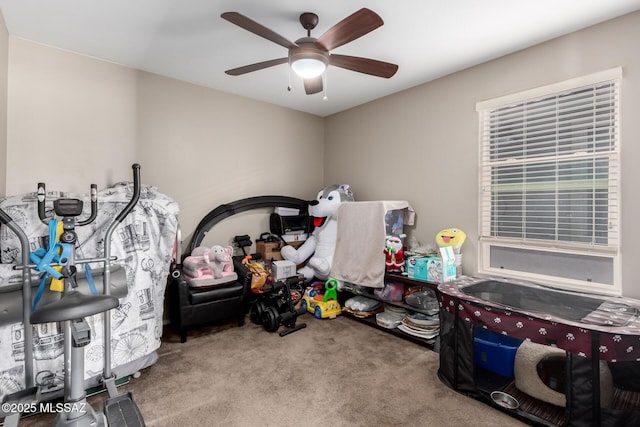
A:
(313, 85)
(255, 67)
(372, 67)
(257, 29)
(350, 28)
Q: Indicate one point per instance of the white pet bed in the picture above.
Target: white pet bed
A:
(527, 380)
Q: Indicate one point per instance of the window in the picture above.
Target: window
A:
(549, 184)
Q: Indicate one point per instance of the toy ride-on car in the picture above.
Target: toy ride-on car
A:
(321, 300)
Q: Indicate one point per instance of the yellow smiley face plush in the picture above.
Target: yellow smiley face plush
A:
(453, 237)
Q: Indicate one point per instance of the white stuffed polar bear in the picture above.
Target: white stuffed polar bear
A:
(319, 248)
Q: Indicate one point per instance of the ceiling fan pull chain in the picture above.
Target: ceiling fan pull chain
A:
(324, 85)
(289, 73)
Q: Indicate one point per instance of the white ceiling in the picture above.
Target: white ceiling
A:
(187, 39)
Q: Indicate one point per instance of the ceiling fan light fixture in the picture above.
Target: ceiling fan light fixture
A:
(307, 60)
(308, 68)
(309, 57)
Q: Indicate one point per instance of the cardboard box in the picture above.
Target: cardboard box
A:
(416, 267)
(431, 268)
(271, 250)
(440, 272)
(283, 270)
(447, 268)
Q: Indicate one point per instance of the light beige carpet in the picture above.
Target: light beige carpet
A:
(333, 373)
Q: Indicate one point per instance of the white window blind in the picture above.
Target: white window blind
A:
(549, 178)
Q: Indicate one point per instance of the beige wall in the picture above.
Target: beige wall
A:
(422, 144)
(4, 65)
(72, 120)
(199, 146)
(205, 148)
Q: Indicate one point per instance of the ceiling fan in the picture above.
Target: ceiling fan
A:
(308, 56)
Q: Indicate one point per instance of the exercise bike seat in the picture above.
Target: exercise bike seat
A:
(74, 305)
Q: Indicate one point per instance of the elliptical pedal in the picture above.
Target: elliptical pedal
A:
(26, 397)
(122, 411)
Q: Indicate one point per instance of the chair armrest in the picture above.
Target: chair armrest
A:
(178, 297)
(244, 274)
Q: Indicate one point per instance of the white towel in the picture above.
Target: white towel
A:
(359, 254)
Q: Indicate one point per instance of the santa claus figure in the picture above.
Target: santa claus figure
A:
(394, 254)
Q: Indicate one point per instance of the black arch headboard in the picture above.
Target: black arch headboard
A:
(228, 209)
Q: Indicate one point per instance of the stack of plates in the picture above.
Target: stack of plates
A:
(421, 325)
(389, 319)
(395, 309)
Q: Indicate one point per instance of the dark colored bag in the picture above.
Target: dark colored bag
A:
(280, 224)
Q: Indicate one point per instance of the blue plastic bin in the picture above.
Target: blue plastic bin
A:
(495, 352)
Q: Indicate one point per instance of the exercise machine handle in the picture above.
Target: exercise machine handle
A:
(106, 372)
(94, 206)
(42, 195)
(136, 194)
(4, 218)
(121, 216)
(42, 199)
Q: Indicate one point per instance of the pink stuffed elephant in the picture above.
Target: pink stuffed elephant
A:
(220, 260)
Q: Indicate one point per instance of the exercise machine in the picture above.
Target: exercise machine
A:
(71, 309)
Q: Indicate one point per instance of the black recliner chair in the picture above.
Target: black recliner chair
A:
(195, 307)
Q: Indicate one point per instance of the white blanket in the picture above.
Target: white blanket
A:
(143, 244)
(359, 255)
